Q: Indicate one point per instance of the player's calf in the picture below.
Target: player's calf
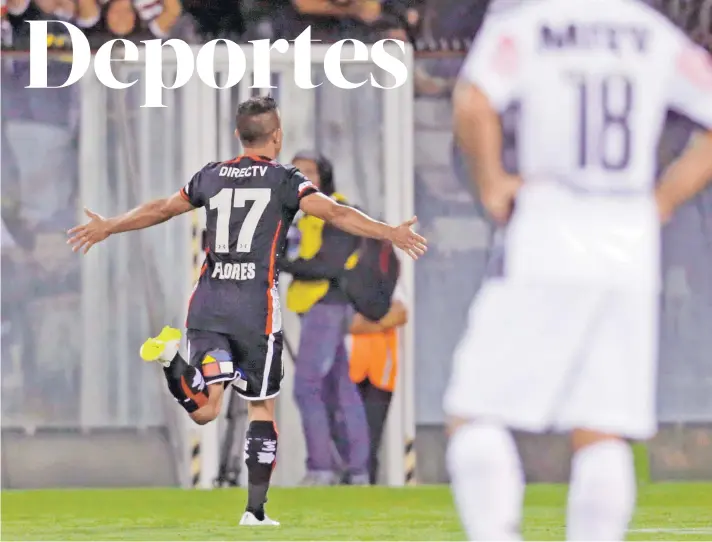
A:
(602, 490)
(486, 478)
(260, 458)
(188, 386)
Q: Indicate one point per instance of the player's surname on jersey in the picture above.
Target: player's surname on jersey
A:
(596, 35)
(234, 271)
(496, 273)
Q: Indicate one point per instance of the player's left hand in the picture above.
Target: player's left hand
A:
(408, 241)
(500, 195)
(89, 234)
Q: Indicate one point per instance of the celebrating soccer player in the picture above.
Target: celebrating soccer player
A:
(234, 325)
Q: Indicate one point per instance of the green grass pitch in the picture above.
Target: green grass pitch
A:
(665, 512)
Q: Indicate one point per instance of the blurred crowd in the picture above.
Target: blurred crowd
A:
(428, 24)
(431, 25)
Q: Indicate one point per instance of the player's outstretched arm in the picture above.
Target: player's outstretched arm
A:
(686, 177)
(149, 214)
(355, 222)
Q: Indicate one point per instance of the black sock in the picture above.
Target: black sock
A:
(260, 458)
(186, 384)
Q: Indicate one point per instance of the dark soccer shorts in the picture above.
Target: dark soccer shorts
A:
(253, 363)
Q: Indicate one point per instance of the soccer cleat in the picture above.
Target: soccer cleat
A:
(162, 348)
(249, 519)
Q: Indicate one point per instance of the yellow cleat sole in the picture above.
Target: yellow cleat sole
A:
(152, 349)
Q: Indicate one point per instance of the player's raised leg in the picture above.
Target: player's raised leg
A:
(200, 398)
(185, 382)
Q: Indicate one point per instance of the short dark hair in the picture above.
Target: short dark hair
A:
(256, 119)
(323, 166)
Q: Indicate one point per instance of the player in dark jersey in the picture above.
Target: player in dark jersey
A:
(234, 325)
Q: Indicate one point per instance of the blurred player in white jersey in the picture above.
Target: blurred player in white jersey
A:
(566, 339)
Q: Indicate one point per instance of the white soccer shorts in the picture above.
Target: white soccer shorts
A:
(540, 357)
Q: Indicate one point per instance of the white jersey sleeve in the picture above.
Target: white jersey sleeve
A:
(495, 62)
(690, 87)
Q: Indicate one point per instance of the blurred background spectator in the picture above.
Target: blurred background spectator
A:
(223, 18)
(330, 20)
(131, 19)
(374, 369)
(101, 20)
(321, 374)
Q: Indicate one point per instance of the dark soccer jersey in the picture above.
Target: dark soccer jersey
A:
(249, 204)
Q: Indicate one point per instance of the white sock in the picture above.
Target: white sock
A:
(169, 353)
(602, 492)
(487, 481)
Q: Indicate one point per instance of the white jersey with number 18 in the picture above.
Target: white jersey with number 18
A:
(594, 80)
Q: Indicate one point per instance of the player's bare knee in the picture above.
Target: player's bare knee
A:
(261, 410)
(582, 438)
(212, 408)
(204, 415)
(199, 418)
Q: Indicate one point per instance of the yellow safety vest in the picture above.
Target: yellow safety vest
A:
(302, 295)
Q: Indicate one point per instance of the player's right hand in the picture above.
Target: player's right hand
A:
(499, 197)
(408, 241)
(665, 208)
(89, 234)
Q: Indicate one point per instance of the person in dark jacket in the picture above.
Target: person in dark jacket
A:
(321, 384)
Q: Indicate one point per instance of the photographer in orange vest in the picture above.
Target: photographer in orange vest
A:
(373, 368)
